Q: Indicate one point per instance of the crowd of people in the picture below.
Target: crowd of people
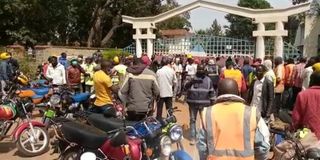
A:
(234, 96)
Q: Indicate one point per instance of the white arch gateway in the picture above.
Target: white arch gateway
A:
(145, 26)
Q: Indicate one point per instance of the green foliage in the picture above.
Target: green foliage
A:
(214, 30)
(109, 54)
(28, 66)
(63, 22)
(241, 27)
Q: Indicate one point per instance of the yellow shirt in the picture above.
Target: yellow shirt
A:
(102, 84)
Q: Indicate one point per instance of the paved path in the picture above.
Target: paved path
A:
(8, 150)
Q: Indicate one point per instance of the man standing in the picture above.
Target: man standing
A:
(232, 130)
(270, 74)
(280, 73)
(306, 74)
(287, 97)
(306, 110)
(74, 75)
(234, 74)
(89, 70)
(200, 94)
(141, 88)
(6, 71)
(213, 73)
(261, 93)
(297, 77)
(177, 67)
(246, 70)
(166, 79)
(120, 70)
(63, 60)
(103, 88)
(56, 72)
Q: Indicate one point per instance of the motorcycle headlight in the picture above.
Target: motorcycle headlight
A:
(165, 144)
(176, 133)
(55, 99)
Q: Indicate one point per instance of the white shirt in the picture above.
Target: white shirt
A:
(306, 74)
(166, 79)
(191, 69)
(257, 92)
(57, 74)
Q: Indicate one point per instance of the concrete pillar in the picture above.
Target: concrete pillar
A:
(150, 47)
(278, 43)
(138, 48)
(138, 43)
(150, 43)
(260, 47)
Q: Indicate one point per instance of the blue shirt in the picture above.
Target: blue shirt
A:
(246, 70)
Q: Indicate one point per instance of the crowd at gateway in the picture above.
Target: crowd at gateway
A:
(224, 91)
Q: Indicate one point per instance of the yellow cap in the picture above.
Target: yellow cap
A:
(316, 67)
(116, 60)
(189, 56)
(4, 56)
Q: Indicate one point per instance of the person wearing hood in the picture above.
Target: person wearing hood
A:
(200, 94)
(270, 74)
(140, 88)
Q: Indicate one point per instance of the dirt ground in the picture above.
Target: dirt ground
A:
(8, 149)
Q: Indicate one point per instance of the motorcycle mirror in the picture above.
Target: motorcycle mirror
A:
(88, 156)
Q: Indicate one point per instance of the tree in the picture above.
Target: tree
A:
(214, 30)
(241, 27)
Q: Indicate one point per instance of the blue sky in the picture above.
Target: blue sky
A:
(202, 18)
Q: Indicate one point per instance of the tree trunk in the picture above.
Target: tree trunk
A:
(106, 39)
(97, 16)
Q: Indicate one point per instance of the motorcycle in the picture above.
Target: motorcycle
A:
(30, 137)
(64, 103)
(278, 135)
(76, 140)
(157, 136)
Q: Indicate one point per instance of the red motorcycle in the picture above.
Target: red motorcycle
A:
(76, 140)
(30, 136)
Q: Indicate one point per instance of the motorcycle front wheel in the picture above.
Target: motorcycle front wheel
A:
(30, 144)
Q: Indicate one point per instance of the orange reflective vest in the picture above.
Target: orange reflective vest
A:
(231, 128)
(235, 75)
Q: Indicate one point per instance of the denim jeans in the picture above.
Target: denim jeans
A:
(194, 109)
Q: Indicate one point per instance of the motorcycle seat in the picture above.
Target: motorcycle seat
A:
(313, 153)
(41, 91)
(107, 124)
(81, 97)
(84, 135)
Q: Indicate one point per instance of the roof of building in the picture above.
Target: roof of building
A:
(175, 32)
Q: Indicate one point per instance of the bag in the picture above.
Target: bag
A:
(286, 149)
